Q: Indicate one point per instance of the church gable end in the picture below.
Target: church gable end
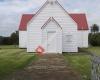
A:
(51, 8)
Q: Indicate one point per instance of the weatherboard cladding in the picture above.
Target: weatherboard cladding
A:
(80, 19)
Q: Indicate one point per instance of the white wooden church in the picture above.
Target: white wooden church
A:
(54, 29)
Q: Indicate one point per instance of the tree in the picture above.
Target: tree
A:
(94, 39)
(6, 41)
(1, 39)
(94, 28)
(14, 38)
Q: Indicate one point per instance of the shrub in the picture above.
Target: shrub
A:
(94, 39)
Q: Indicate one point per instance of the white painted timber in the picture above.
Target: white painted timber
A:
(22, 39)
(83, 38)
(69, 27)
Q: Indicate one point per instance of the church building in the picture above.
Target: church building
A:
(53, 29)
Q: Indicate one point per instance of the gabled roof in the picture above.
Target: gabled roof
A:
(80, 19)
(24, 20)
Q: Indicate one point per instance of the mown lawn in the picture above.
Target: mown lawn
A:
(95, 50)
(82, 62)
(12, 60)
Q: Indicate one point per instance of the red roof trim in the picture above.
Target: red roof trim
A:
(25, 19)
(81, 21)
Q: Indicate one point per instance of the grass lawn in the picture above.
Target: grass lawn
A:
(82, 62)
(12, 60)
(95, 50)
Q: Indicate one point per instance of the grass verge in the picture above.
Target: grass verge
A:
(12, 60)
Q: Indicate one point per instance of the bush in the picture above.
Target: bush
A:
(6, 41)
(94, 39)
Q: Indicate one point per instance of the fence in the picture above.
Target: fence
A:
(95, 68)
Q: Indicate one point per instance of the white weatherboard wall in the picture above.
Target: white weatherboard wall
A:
(22, 39)
(66, 22)
(83, 39)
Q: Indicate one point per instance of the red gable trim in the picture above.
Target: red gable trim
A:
(80, 19)
(25, 19)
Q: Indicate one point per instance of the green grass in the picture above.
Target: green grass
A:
(82, 62)
(95, 50)
(12, 60)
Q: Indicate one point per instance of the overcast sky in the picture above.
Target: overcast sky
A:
(12, 10)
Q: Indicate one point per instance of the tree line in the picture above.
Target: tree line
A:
(94, 35)
(12, 40)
